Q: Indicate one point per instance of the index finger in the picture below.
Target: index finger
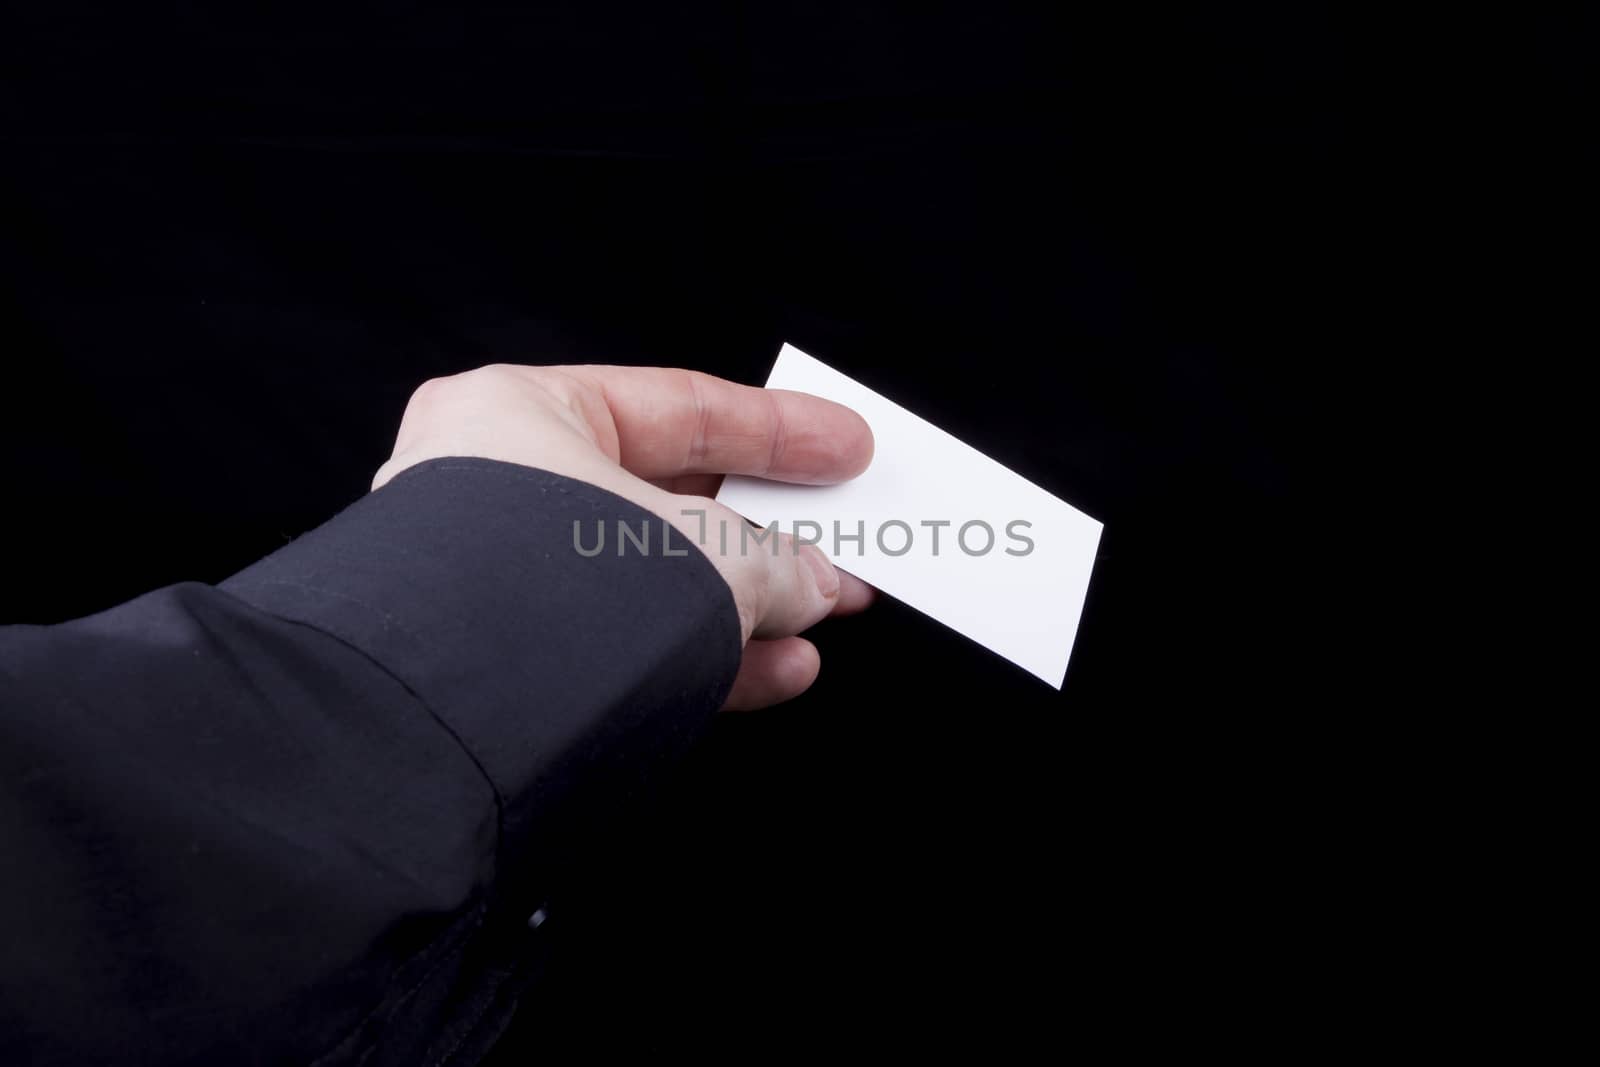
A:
(671, 422)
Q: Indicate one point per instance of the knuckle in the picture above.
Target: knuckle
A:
(443, 391)
(449, 392)
(429, 394)
(569, 393)
(778, 434)
(556, 383)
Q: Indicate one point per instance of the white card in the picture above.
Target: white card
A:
(943, 527)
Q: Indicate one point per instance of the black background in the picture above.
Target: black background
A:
(1114, 250)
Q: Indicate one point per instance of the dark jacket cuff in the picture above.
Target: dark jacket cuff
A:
(565, 677)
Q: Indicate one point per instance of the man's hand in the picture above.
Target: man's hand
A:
(663, 439)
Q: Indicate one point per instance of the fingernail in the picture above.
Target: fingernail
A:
(822, 572)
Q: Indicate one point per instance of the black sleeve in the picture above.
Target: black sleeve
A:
(307, 815)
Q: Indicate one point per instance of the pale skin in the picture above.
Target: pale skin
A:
(663, 439)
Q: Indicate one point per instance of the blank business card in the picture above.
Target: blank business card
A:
(939, 525)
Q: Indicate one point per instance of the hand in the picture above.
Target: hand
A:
(663, 439)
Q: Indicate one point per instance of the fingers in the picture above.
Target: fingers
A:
(780, 587)
(780, 669)
(855, 596)
(772, 672)
(802, 589)
(673, 422)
